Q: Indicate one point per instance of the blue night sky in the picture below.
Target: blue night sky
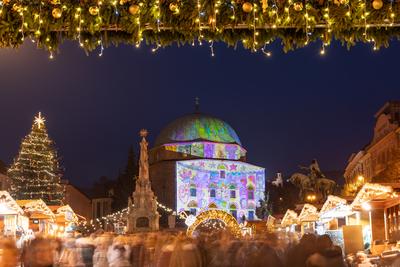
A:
(287, 109)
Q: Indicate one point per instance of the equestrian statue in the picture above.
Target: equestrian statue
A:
(313, 183)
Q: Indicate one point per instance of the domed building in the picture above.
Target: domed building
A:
(198, 163)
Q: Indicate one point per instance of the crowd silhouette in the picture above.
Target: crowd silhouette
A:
(175, 249)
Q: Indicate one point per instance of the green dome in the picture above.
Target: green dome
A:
(198, 127)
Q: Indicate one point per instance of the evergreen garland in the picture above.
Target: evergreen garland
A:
(198, 21)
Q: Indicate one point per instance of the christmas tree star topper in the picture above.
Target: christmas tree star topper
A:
(39, 120)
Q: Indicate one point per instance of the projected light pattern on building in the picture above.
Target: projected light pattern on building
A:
(235, 187)
(208, 150)
(197, 127)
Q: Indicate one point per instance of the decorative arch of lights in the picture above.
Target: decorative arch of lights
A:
(215, 214)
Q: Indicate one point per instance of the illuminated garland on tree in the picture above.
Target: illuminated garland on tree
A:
(254, 23)
(35, 173)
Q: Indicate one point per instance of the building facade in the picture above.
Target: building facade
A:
(78, 201)
(198, 163)
(378, 160)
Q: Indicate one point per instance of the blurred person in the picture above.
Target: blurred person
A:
(8, 253)
(185, 254)
(70, 254)
(118, 254)
(298, 255)
(39, 253)
(85, 247)
(101, 243)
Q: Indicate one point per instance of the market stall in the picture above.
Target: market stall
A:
(13, 221)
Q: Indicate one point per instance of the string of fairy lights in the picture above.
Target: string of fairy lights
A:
(117, 218)
(254, 23)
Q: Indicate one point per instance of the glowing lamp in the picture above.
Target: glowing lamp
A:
(366, 206)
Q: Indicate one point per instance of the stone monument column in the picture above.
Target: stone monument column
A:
(143, 214)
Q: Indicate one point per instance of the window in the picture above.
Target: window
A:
(192, 192)
(233, 193)
(212, 192)
(251, 215)
(193, 211)
(234, 213)
(222, 174)
(233, 210)
(250, 195)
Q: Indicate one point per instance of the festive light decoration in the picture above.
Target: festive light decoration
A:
(309, 213)
(369, 192)
(235, 187)
(35, 173)
(220, 215)
(331, 203)
(349, 22)
(208, 150)
(289, 218)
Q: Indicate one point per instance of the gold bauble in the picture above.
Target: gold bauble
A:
(94, 10)
(17, 8)
(173, 7)
(247, 7)
(55, 2)
(340, 2)
(56, 12)
(6, 2)
(133, 9)
(377, 4)
(298, 6)
(123, 2)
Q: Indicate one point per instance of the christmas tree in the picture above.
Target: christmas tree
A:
(35, 173)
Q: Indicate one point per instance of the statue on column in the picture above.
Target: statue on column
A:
(142, 206)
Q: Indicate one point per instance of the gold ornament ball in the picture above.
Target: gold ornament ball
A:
(17, 8)
(377, 4)
(298, 6)
(247, 7)
(123, 2)
(94, 10)
(133, 9)
(56, 13)
(55, 2)
(173, 7)
(6, 2)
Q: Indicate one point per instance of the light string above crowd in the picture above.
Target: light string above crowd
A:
(118, 217)
(253, 23)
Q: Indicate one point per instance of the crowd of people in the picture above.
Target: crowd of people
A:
(174, 249)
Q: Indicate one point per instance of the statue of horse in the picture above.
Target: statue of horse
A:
(325, 187)
(302, 181)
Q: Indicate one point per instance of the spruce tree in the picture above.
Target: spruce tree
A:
(35, 173)
(126, 182)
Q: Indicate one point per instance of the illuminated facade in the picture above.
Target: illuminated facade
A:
(198, 163)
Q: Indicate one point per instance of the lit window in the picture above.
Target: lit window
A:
(250, 195)
(251, 215)
(212, 193)
(234, 213)
(233, 194)
(192, 192)
(193, 211)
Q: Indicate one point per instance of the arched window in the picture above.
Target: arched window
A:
(192, 205)
(212, 192)
(212, 206)
(193, 191)
(250, 195)
(233, 211)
